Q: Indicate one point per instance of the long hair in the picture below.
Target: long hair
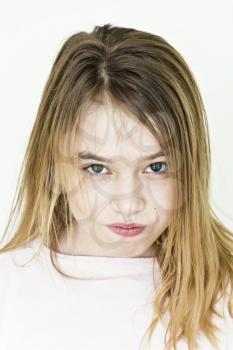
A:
(143, 74)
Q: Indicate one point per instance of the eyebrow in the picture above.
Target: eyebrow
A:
(92, 156)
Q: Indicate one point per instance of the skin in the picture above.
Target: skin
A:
(130, 191)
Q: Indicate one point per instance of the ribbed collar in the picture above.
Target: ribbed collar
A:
(103, 266)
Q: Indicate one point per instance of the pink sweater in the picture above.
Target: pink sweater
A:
(41, 310)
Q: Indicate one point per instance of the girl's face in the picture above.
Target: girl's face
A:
(120, 186)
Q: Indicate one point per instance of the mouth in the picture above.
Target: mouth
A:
(123, 225)
(127, 231)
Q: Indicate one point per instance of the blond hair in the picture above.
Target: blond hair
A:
(143, 74)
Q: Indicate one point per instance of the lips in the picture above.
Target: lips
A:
(125, 226)
(127, 232)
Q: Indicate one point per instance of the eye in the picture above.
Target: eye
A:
(155, 167)
(96, 168)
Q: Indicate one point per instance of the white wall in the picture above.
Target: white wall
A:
(31, 33)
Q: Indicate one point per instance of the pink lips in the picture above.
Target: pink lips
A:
(126, 225)
(127, 230)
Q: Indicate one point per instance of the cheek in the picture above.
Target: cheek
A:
(99, 191)
(88, 199)
(161, 192)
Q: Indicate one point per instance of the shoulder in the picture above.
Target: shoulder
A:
(16, 258)
(9, 273)
(6, 261)
(20, 266)
(9, 260)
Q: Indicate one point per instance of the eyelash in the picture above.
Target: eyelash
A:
(97, 175)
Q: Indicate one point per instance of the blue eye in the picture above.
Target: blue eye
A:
(157, 166)
(97, 168)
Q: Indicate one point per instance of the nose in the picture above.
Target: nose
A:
(128, 208)
(130, 200)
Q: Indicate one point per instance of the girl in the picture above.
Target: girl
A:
(114, 203)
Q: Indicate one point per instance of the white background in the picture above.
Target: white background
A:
(31, 33)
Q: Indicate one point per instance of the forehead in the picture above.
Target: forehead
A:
(105, 129)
